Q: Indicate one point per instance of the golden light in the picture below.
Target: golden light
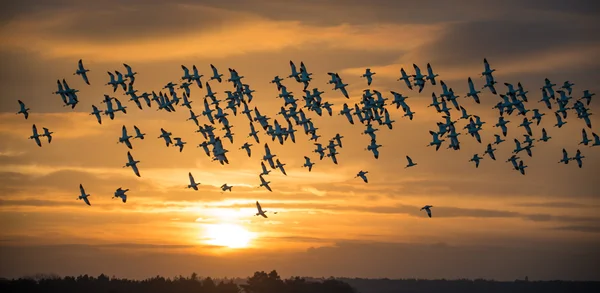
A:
(228, 235)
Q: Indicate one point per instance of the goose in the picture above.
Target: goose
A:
(130, 74)
(35, 136)
(226, 187)
(410, 162)
(269, 157)
(48, 134)
(193, 183)
(216, 76)
(96, 113)
(513, 159)
(82, 71)
(246, 147)
(186, 74)
(308, 163)
(521, 167)
(559, 121)
(120, 193)
(427, 208)
(23, 110)
(179, 143)
(264, 183)
(596, 139)
(585, 140)
(362, 174)
(430, 76)
(578, 158)
(587, 96)
(545, 136)
(138, 133)
(405, 78)
(490, 151)
(83, 195)
(166, 136)
(133, 164)
(565, 158)
(472, 92)
(498, 140)
(260, 211)
(476, 159)
(368, 75)
(125, 138)
(265, 171)
(279, 165)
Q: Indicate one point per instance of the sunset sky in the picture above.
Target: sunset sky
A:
(489, 222)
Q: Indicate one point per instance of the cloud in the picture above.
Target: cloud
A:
(585, 229)
(249, 33)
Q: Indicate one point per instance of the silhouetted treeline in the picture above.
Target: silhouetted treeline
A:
(468, 286)
(261, 282)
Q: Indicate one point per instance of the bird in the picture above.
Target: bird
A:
(193, 183)
(23, 110)
(476, 158)
(133, 164)
(138, 133)
(362, 174)
(368, 75)
(120, 193)
(96, 113)
(260, 211)
(216, 76)
(82, 71)
(565, 158)
(410, 162)
(48, 134)
(83, 195)
(264, 183)
(578, 158)
(36, 136)
(308, 163)
(125, 138)
(427, 208)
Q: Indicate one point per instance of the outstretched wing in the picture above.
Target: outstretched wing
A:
(87, 201)
(192, 181)
(81, 190)
(258, 207)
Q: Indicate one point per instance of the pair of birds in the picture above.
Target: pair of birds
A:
(363, 174)
(119, 193)
(36, 136)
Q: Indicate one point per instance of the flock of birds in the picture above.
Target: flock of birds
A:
(371, 109)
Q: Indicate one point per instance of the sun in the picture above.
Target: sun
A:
(228, 235)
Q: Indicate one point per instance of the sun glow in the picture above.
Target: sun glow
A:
(228, 235)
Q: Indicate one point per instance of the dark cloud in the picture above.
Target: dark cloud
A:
(505, 39)
(393, 260)
(557, 204)
(586, 229)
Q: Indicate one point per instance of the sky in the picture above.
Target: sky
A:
(490, 222)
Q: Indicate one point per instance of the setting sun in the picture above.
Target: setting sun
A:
(228, 235)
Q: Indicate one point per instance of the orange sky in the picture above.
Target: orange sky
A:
(502, 224)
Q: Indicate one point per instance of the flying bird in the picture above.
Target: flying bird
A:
(83, 72)
(23, 110)
(427, 208)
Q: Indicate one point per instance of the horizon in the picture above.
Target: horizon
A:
(489, 222)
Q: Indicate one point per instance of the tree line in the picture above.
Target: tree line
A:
(260, 282)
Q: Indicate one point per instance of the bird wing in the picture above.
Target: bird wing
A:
(428, 212)
(81, 190)
(409, 160)
(262, 180)
(129, 157)
(191, 178)
(80, 64)
(258, 206)
(87, 201)
(264, 168)
(136, 170)
(214, 70)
